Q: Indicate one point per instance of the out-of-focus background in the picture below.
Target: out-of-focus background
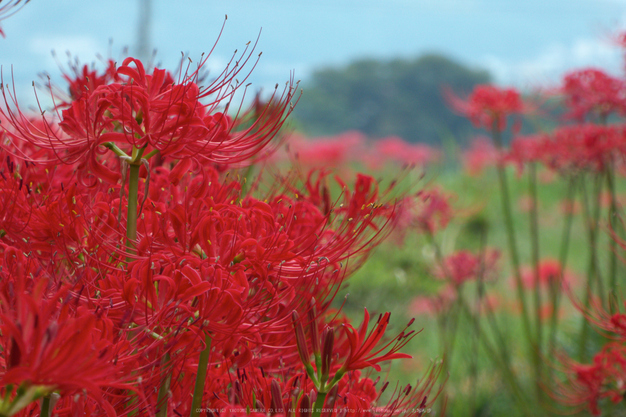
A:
(383, 63)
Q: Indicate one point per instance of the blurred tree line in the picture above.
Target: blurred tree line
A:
(383, 98)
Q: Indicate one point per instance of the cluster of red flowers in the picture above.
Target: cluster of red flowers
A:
(590, 97)
(176, 285)
(587, 384)
(592, 93)
(352, 147)
(463, 266)
(572, 149)
(590, 141)
(489, 106)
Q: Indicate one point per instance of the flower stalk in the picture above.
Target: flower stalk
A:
(534, 240)
(203, 363)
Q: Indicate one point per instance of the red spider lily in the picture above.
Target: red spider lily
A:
(42, 335)
(152, 113)
(433, 210)
(550, 273)
(592, 92)
(361, 344)
(325, 152)
(480, 155)
(588, 146)
(612, 323)
(82, 82)
(603, 378)
(527, 149)
(394, 149)
(463, 266)
(435, 304)
(488, 106)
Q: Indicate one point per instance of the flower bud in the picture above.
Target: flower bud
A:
(305, 406)
(313, 329)
(303, 351)
(277, 398)
(327, 350)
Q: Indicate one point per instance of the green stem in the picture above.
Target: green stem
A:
(46, 410)
(534, 238)
(508, 219)
(448, 323)
(591, 221)
(613, 217)
(319, 404)
(556, 286)
(501, 361)
(151, 154)
(480, 292)
(164, 388)
(203, 364)
(596, 227)
(443, 340)
(113, 147)
(133, 197)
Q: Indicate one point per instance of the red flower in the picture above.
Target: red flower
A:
(488, 106)
(550, 273)
(603, 378)
(527, 149)
(51, 345)
(480, 155)
(587, 146)
(434, 210)
(84, 82)
(151, 112)
(463, 266)
(435, 304)
(361, 344)
(323, 152)
(591, 91)
(395, 149)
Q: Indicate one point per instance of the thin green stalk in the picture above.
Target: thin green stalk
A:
(46, 410)
(445, 366)
(500, 358)
(319, 404)
(534, 240)
(203, 364)
(133, 197)
(508, 220)
(443, 320)
(591, 221)
(596, 227)
(480, 292)
(448, 325)
(452, 317)
(555, 287)
(151, 154)
(113, 147)
(613, 217)
(164, 388)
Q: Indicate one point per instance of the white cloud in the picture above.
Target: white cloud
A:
(548, 67)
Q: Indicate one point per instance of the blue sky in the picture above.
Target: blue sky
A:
(523, 43)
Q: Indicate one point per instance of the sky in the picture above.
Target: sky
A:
(526, 44)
